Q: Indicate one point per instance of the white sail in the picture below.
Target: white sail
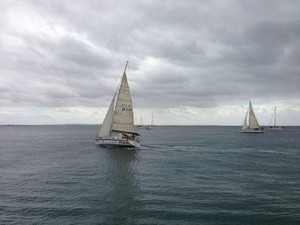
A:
(123, 113)
(245, 126)
(253, 124)
(106, 125)
(275, 116)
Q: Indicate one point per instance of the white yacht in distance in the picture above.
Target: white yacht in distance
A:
(275, 127)
(250, 122)
(118, 126)
(151, 125)
(141, 125)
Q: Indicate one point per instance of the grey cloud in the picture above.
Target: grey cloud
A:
(215, 52)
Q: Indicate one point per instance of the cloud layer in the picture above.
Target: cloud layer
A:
(61, 61)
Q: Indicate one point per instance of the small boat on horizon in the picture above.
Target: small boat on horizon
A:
(275, 127)
(250, 122)
(141, 125)
(118, 126)
(151, 125)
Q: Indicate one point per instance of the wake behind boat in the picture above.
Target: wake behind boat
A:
(250, 122)
(118, 126)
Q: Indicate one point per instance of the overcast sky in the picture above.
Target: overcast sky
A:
(190, 62)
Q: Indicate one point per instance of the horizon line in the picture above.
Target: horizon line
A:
(84, 124)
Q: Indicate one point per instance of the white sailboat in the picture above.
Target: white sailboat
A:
(141, 125)
(118, 126)
(275, 127)
(250, 122)
(151, 125)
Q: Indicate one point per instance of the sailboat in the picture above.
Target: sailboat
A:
(250, 122)
(275, 127)
(141, 125)
(151, 125)
(118, 126)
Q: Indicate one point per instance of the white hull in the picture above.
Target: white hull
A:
(277, 128)
(252, 131)
(117, 143)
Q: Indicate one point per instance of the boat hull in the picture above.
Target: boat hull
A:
(252, 131)
(278, 128)
(118, 143)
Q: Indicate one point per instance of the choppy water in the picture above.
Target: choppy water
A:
(181, 175)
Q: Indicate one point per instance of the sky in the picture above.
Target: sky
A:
(192, 62)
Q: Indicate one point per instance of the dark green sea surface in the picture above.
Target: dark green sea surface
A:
(182, 175)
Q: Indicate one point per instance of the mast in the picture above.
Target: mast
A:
(152, 120)
(270, 124)
(125, 67)
(275, 117)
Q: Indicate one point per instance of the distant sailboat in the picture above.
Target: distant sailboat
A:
(141, 125)
(118, 126)
(275, 127)
(151, 125)
(250, 122)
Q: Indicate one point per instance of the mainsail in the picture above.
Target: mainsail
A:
(119, 117)
(253, 124)
(123, 114)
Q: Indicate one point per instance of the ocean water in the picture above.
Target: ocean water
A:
(180, 175)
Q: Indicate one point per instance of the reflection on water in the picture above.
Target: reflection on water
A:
(124, 191)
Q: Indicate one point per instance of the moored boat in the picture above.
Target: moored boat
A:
(275, 127)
